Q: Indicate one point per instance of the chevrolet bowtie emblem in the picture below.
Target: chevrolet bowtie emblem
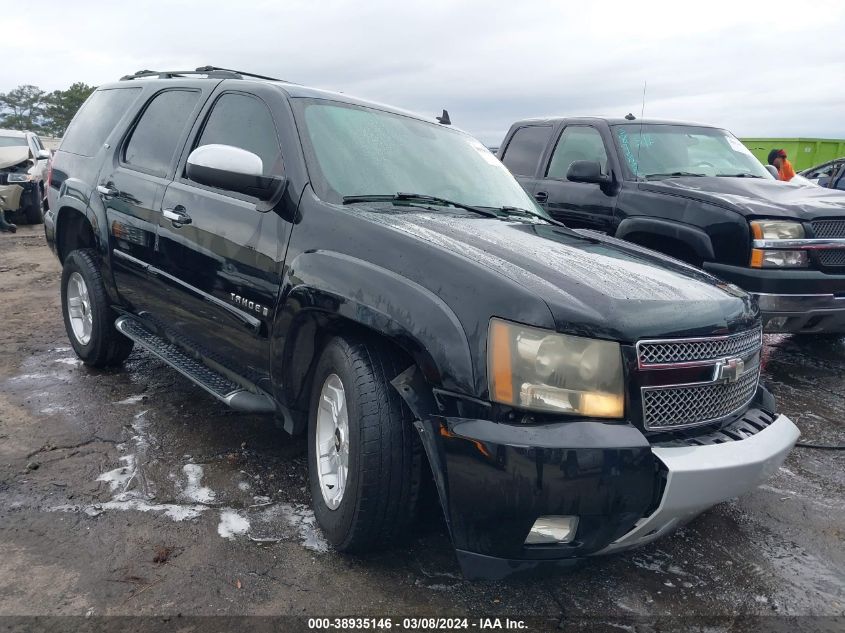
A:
(729, 370)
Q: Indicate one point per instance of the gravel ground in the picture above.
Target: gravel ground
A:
(132, 492)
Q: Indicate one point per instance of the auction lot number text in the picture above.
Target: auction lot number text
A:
(415, 624)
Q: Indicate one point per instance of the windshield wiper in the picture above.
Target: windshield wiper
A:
(528, 213)
(674, 174)
(419, 198)
(744, 174)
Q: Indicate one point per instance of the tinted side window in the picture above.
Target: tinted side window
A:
(156, 135)
(523, 152)
(577, 143)
(243, 121)
(96, 120)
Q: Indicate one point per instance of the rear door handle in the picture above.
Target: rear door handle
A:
(177, 215)
(105, 190)
(541, 196)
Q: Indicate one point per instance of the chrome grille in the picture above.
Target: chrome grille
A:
(688, 405)
(651, 353)
(832, 257)
(828, 228)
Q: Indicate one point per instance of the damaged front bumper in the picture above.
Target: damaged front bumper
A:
(495, 480)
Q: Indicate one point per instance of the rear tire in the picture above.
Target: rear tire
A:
(89, 318)
(383, 469)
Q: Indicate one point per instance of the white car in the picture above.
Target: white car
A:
(24, 163)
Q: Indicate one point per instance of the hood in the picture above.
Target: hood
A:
(756, 196)
(11, 156)
(593, 285)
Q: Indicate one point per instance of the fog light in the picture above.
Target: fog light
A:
(778, 259)
(776, 324)
(552, 530)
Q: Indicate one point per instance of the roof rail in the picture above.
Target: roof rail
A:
(238, 72)
(208, 71)
(169, 74)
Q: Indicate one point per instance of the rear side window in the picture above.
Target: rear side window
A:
(154, 140)
(243, 121)
(96, 119)
(523, 152)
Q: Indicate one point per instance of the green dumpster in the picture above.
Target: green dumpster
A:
(803, 153)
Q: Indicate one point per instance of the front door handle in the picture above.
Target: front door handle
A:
(541, 196)
(107, 191)
(177, 215)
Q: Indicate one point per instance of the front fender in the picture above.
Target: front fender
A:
(693, 237)
(410, 315)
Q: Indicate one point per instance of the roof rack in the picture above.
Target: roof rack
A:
(208, 71)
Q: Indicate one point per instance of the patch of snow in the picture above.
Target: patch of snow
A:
(244, 486)
(302, 519)
(173, 511)
(55, 408)
(35, 376)
(232, 524)
(120, 477)
(70, 360)
(131, 399)
(193, 489)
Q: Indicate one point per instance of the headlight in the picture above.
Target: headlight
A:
(774, 230)
(544, 371)
(777, 230)
(19, 178)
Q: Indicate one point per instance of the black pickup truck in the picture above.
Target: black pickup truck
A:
(695, 193)
(380, 282)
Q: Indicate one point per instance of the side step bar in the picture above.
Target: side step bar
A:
(214, 382)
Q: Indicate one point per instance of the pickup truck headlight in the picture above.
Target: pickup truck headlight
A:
(19, 177)
(541, 370)
(777, 230)
(771, 256)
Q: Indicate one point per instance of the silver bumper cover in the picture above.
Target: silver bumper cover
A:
(698, 477)
(802, 313)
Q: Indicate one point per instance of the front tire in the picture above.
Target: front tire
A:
(364, 458)
(89, 318)
(35, 211)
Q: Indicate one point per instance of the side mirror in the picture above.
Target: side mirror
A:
(586, 171)
(231, 169)
(773, 171)
(43, 154)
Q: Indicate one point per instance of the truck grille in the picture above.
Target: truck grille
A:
(827, 229)
(667, 352)
(688, 405)
(832, 258)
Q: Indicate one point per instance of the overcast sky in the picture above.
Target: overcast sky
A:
(758, 68)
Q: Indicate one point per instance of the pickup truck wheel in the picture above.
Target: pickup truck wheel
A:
(364, 458)
(35, 211)
(89, 318)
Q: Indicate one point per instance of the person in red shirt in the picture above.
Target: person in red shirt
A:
(777, 157)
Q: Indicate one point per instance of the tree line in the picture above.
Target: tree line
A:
(27, 107)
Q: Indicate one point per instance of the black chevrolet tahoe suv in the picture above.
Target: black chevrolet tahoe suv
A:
(695, 193)
(380, 282)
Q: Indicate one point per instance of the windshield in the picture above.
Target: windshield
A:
(357, 151)
(12, 141)
(664, 151)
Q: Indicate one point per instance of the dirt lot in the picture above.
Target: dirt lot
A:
(133, 492)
